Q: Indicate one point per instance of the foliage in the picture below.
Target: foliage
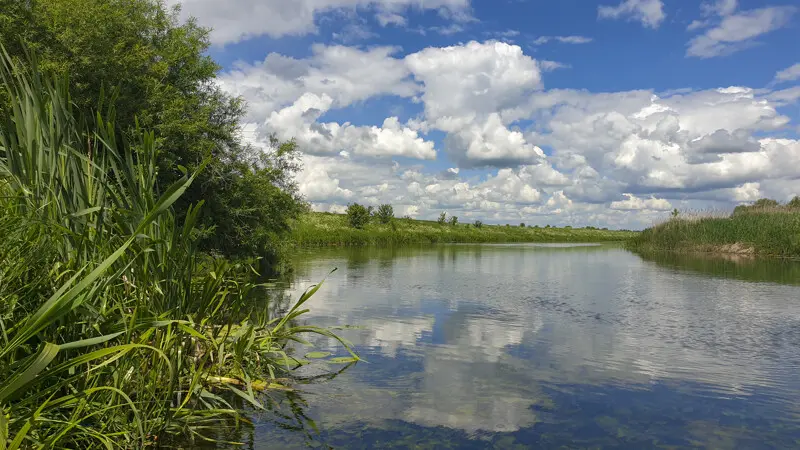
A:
(357, 215)
(794, 203)
(164, 80)
(442, 218)
(385, 213)
(453, 221)
(478, 224)
(327, 229)
(114, 331)
(675, 212)
(522, 225)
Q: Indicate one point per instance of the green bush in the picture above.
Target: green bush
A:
(522, 225)
(478, 224)
(385, 214)
(453, 221)
(442, 218)
(357, 215)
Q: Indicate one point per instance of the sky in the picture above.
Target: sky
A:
(605, 113)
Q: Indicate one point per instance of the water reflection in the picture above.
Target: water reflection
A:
(522, 345)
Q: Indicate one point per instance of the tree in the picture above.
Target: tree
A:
(478, 224)
(442, 218)
(675, 213)
(158, 74)
(385, 213)
(764, 203)
(522, 225)
(453, 221)
(357, 215)
(794, 203)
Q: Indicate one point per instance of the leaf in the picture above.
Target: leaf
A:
(317, 355)
(343, 360)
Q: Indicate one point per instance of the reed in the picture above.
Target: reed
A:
(115, 332)
(770, 231)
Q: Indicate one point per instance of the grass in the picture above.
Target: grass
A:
(772, 231)
(115, 332)
(327, 229)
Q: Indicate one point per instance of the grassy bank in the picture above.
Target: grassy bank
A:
(326, 229)
(774, 231)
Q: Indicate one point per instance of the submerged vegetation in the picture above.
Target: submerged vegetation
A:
(327, 229)
(116, 331)
(764, 228)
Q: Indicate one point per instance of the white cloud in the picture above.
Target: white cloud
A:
(299, 121)
(649, 12)
(242, 19)
(633, 203)
(390, 18)
(719, 7)
(549, 66)
(563, 39)
(738, 31)
(791, 73)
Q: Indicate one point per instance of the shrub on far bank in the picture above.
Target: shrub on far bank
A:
(385, 214)
(357, 215)
(442, 218)
(453, 221)
(478, 224)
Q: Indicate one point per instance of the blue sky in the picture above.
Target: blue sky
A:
(577, 112)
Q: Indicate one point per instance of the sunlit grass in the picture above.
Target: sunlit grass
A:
(325, 229)
(773, 231)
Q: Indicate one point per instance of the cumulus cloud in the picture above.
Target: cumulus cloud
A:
(633, 203)
(649, 12)
(738, 31)
(243, 19)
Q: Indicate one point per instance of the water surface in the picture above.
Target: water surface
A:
(544, 346)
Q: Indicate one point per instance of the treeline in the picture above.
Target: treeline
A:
(137, 55)
(768, 205)
(358, 216)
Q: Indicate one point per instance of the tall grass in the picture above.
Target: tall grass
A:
(768, 232)
(114, 331)
(325, 229)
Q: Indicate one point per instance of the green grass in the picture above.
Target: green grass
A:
(326, 229)
(767, 232)
(115, 332)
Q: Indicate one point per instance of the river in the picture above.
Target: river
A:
(544, 346)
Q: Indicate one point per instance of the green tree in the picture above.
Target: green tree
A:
(675, 213)
(453, 221)
(162, 78)
(357, 215)
(478, 224)
(522, 225)
(764, 203)
(385, 213)
(794, 203)
(442, 218)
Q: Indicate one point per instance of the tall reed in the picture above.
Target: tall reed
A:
(114, 331)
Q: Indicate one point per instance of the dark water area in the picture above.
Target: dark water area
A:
(546, 346)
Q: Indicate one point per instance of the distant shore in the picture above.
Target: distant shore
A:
(327, 229)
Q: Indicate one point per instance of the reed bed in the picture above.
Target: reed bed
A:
(758, 231)
(115, 332)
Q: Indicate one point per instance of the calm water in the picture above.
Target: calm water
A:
(531, 346)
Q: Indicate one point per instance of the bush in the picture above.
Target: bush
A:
(453, 221)
(442, 218)
(385, 213)
(795, 202)
(358, 215)
(522, 225)
(478, 224)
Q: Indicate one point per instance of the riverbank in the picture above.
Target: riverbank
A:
(774, 233)
(327, 229)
